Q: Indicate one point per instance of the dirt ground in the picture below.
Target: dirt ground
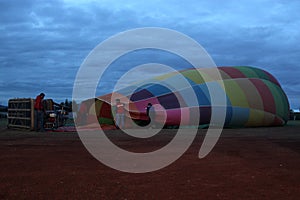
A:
(249, 163)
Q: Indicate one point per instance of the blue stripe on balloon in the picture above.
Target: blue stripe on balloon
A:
(240, 116)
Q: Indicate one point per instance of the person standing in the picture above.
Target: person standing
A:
(120, 114)
(39, 113)
(149, 106)
(150, 113)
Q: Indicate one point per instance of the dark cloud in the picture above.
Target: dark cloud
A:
(43, 43)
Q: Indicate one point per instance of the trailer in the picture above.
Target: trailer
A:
(20, 114)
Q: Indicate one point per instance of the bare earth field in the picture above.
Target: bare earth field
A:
(250, 163)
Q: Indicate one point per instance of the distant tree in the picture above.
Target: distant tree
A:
(74, 106)
(66, 103)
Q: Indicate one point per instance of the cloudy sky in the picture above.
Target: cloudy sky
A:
(43, 43)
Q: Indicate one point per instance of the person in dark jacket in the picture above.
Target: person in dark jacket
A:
(150, 113)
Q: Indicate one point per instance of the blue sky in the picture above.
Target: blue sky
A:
(43, 43)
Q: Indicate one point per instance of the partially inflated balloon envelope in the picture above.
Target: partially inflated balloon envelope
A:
(253, 98)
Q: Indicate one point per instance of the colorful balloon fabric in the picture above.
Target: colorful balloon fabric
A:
(253, 98)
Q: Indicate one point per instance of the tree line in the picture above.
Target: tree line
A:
(69, 105)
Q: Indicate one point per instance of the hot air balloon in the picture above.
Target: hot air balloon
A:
(253, 98)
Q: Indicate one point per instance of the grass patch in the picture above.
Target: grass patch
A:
(3, 122)
(293, 123)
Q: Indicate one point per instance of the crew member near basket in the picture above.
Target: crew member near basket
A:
(148, 109)
(39, 113)
(120, 113)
